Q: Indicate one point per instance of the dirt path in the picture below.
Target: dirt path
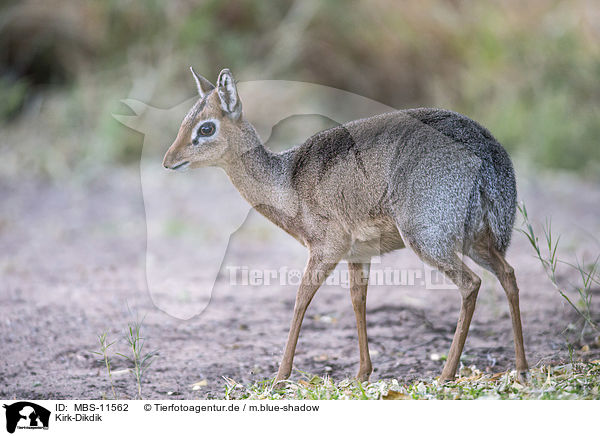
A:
(73, 262)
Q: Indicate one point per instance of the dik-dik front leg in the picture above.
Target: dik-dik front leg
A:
(317, 270)
(359, 277)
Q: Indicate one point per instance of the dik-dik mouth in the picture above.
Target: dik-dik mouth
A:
(181, 166)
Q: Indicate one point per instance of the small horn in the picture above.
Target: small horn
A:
(203, 85)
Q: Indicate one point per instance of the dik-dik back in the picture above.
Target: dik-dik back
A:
(430, 179)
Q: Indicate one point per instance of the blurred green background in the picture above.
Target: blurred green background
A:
(529, 71)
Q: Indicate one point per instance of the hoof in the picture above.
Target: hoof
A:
(523, 376)
(443, 379)
(280, 380)
(279, 384)
(363, 377)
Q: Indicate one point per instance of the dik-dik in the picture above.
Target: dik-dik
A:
(430, 179)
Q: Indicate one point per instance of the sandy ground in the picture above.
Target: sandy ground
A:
(73, 265)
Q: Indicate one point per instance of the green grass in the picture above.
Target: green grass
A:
(106, 359)
(571, 381)
(139, 359)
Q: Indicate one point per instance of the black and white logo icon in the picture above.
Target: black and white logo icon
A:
(26, 415)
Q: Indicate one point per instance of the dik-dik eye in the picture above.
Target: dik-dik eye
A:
(206, 129)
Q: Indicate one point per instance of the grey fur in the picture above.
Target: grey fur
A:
(431, 179)
(441, 177)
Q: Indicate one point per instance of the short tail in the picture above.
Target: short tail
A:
(499, 201)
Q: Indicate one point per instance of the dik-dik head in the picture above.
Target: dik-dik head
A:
(211, 128)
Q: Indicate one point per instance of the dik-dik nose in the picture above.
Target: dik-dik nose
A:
(174, 164)
(167, 161)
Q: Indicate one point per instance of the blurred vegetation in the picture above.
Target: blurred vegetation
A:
(527, 70)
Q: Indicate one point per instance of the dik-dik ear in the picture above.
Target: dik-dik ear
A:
(203, 85)
(230, 101)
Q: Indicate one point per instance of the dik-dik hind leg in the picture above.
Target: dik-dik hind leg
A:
(506, 275)
(359, 277)
(468, 283)
(316, 272)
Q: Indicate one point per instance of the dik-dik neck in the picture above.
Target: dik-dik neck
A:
(260, 175)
